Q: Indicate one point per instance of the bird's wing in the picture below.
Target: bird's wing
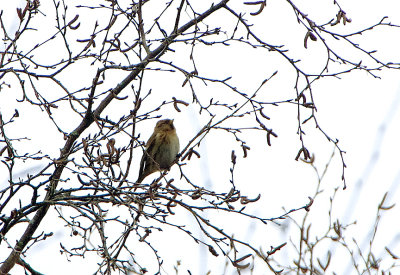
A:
(145, 158)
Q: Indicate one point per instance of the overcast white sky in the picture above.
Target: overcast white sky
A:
(361, 111)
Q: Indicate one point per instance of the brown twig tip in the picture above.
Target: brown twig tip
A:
(310, 160)
(245, 149)
(212, 250)
(21, 14)
(310, 35)
(392, 254)
(264, 115)
(274, 249)
(176, 102)
(307, 207)
(197, 194)
(305, 152)
(233, 157)
(245, 200)
(73, 21)
(188, 76)
(3, 150)
(262, 5)
(269, 134)
(171, 204)
(381, 207)
(341, 15)
(13, 213)
(146, 234)
(237, 264)
(240, 266)
(189, 154)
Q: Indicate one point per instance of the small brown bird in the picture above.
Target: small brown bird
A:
(161, 149)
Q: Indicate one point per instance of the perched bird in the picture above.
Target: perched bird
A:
(161, 149)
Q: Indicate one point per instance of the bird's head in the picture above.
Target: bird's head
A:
(165, 125)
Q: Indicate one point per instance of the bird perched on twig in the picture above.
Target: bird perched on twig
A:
(161, 149)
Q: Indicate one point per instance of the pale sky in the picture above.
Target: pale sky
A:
(362, 112)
